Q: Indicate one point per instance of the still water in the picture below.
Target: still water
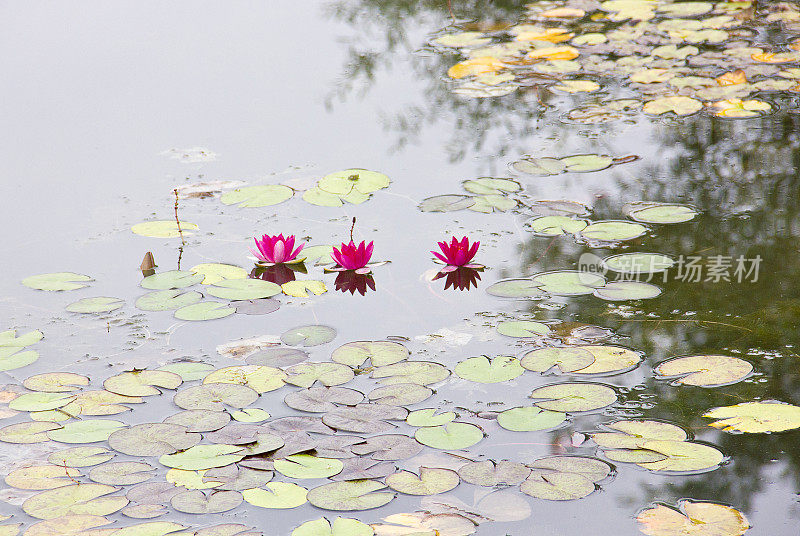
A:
(104, 107)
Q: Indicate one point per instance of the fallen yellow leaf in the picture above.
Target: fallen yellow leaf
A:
(732, 78)
(554, 35)
(474, 66)
(553, 53)
(563, 12)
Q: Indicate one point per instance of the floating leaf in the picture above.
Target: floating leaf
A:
(364, 418)
(491, 186)
(490, 473)
(463, 39)
(74, 499)
(321, 198)
(756, 417)
(555, 225)
(204, 311)
(540, 166)
(529, 419)
(99, 304)
(341, 526)
(163, 228)
(261, 379)
(80, 456)
(256, 307)
(420, 372)
(257, 196)
(27, 432)
(682, 456)
(609, 359)
(279, 495)
(201, 457)
(85, 431)
(571, 397)
(188, 370)
(576, 86)
(152, 439)
(516, 288)
(213, 272)
(361, 180)
(251, 415)
(142, 382)
(586, 163)
(692, 517)
(350, 495)
(612, 231)
(638, 263)
(568, 282)
(322, 399)
(664, 213)
(243, 289)
(425, 524)
(380, 353)
(567, 359)
(68, 525)
(42, 477)
(429, 417)
(492, 203)
(523, 328)
(312, 335)
(557, 486)
(307, 466)
(430, 481)
(121, 473)
(446, 203)
(482, 370)
(57, 281)
(171, 280)
(450, 436)
(215, 396)
(166, 300)
(705, 370)
(40, 401)
(388, 447)
(400, 394)
(301, 288)
(679, 105)
(197, 502)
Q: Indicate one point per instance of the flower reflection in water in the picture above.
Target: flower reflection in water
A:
(352, 282)
(462, 278)
(278, 273)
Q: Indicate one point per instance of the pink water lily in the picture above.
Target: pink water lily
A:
(276, 249)
(352, 257)
(457, 253)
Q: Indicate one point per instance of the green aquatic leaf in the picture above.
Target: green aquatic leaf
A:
(446, 203)
(27, 432)
(627, 290)
(164, 229)
(482, 370)
(74, 499)
(260, 378)
(664, 213)
(308, 466)
(463, 40)
(516, 288)
(430, 481)
(490, 185)
(322, 399)
(692, 517)
(301, 288)
(201, 457)
(380, 353)
(40, 401)
(312, 335)
(523, 328)
(85, 431)
(419, 372)
(152, 439)
(41, 477)
(279, 495)
(705, 370)
(142, 382)
(678, 105)
(638, 263)
(80, 456)
(586, 163)
(171, 280)
(200, 420)
(557, 486)
(243, 289)
(429, 417)
(682, 456)
(214, 272)
(121, 473)
(450, 436)
(198, 502)
(613, 231)
(555, 225)
(568, 282)
(756, 417)
(573, 397)
(57, 281)
(609, 359)
(400, 394)
(99, 304)
(566, 358)
(165, 300)
(529, 419)
(490, 473)
(341, 526)
(350, 495)
(215, 396)
(55, 382)
(188, 370)
(257, 196)
(361, 180)
(205, 310)
(492, 203)
(540, 166)
(321, 198)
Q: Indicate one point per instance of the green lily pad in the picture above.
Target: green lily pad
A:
(257, 196)
(446, 203)
(567, 359)
(163, 228)
(198, 502)
(400, 394)
(586, 163)
(99, 304)
(214, 272)
(756, 417)
(321, 198)
(431, 481)
(278, 495)
(540, 166)
(638, 263)
(85, 431)
(341, 526)
(490, 473)
(152, 439)
(172, 279)
(206, 310)
(121, 473)
(627, 290)
(705, 370)
(557, 486)
(419, 372)
(350, 495)
(55, 382)
(450, 436)
(307, 466)
(201, 457)
(380, 353)
(682, 456)
(678, 105)
(243, 289)
(463, 40)
(609, 359)
(74, 499)
(313, 335)
(40, 401)
(523, 328)
(572, 397)
(361, 180)
(492, 203)
(490, 185)
(306, 374)
(568, 282)
(260, 378)
(613, 231)
(429, 417)
(215, 396)
(482, 370)
(189, 371)
(516, 288)
(555, 225)
(322, 399)
(27, 432)
(529, 419)
(664, 213)
(57, 281)
(81, 456)
(165, 300)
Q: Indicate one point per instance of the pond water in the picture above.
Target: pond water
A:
(109, 108)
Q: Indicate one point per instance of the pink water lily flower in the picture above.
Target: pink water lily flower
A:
(276, 249)
(457, 253)
(352, 257)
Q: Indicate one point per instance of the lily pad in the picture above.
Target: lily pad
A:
(540, 166)
(213, 272)
(57, 281)
(530, 419)
(307, 466)
(350, 495)
(572, 397)
(692, 517)
(429, 417)
(215, 396)
(163, 228)
(419, 372)
(55, 382)
(85, 431)
(257, 196)
(362, 180)
(278, 495)
(586, 163)
(638, 263)
(313, 335)
(609, 359)
(756, 417)
(568, 282)
(516, 288)
(201, 457)
(555, 225)
(322, 399)
(490, 185)
(341, 526)
(566, 359)
(664, 213)
(92, 499)
(206, 310)
(450, 436)
(165, 300)
(446, 203)
(705, 370)
(482, 370)
(152, 439)
(523, 328)
(99, 304)
(260, 378)
(400, 394)
(613, 231)
(198, 502)
(380, 353)
(490, 473)
(142, 382)
(171, 280)
(430, 481)
(243, 289)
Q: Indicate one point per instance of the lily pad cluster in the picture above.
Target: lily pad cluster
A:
(484, 194)
(567, 283)
(655, 58)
